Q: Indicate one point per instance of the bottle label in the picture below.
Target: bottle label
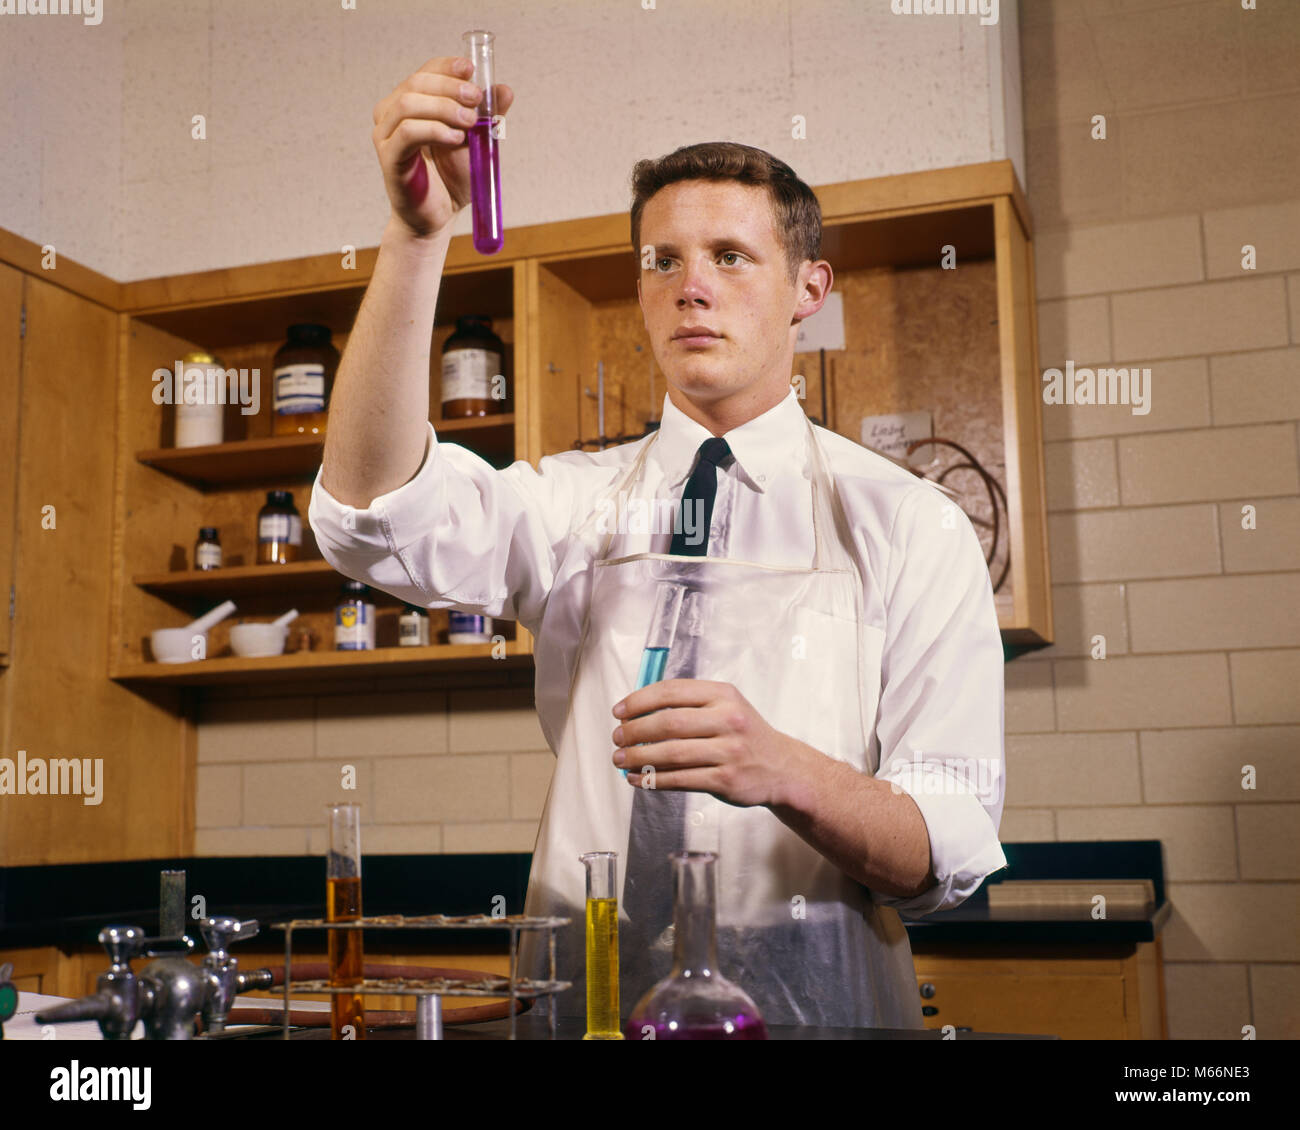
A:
(280, 527)
(468, 627)
(467, 374)
(198, 425)
(413, 630)
(300, 388)
(354, 626)
(207, 555)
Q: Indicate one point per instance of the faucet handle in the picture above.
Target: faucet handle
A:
(158, 947)
(222, 931)
(122, 943)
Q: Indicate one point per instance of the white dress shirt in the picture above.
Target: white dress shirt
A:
(462, 534)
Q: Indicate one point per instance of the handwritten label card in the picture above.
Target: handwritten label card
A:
(890, 435)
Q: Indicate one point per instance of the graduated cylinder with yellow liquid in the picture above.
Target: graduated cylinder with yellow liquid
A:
(602, 946)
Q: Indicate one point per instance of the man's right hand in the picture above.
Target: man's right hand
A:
(421, 137)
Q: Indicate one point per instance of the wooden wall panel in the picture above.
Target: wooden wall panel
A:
(62, 704)
(11, 302)
(923, 339)
(562, 366)
(1022, 411)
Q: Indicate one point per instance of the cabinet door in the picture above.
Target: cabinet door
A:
(60, 704)
(1073, 1006)
(11, 353)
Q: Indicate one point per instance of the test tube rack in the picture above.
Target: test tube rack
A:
(429, 992)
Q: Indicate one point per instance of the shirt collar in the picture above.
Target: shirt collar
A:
(763, 446)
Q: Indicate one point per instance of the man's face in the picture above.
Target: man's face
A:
(717, 264)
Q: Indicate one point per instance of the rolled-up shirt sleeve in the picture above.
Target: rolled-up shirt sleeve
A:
(460, 534)
(940, 723)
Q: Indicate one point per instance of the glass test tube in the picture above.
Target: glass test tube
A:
(343, 904)
(484, 159)
(602, 946)
(684, 662)
(659, 638)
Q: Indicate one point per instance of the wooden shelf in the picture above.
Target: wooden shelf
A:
(282, 457)
(245, 460)
(328, 296)
(322, 664)
(245, 580)
(851, 244)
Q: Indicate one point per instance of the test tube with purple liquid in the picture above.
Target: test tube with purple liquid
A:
(484, 162)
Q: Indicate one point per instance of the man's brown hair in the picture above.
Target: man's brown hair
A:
(796, 215)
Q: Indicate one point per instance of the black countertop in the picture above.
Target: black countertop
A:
(975, 922)
(572, 1028)
(67, 904)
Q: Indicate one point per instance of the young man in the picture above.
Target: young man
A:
(831, 716)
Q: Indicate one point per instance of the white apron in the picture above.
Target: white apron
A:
(796, 933)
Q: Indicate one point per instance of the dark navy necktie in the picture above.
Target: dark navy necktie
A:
(697, 499)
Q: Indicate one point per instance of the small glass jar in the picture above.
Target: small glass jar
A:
(471, 360)
(413, 627)
(207, 550)
(279, 529)
(467, 627)
(303, 379)
(354, 619)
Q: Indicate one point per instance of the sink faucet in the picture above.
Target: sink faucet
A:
(170, 992)
(220, 970)
(171, 996)
(119, 999)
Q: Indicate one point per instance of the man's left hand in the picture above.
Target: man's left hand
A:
(705, 737)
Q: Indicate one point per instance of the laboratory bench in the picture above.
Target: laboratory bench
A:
(572, 1028)
(981, 967)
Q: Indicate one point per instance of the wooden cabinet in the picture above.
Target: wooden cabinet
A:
(935, 270)
(166, 494)
(12, 317)
(52, 971)
(1092, 992)
(74, 972)
(936, 273)
(1084, 992)
(58, 701)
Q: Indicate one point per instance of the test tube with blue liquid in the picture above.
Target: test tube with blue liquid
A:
(659, 639)
(484, 162)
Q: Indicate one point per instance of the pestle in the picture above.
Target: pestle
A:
(204, 622)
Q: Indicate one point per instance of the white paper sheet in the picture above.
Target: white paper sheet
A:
(23, 1026)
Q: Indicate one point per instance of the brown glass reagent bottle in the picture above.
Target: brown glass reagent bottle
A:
(279, 529)
(304, 369)
(471, 357)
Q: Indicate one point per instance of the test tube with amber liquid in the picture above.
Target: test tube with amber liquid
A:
(602, 946)
(343, 904)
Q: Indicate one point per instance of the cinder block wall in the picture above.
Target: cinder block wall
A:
(284, 166)
(1139, 262)
(454, 770)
